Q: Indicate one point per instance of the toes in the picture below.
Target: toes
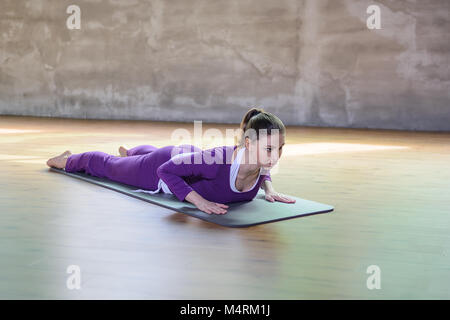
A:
(58, 161)
(51, 162)
(122, 151)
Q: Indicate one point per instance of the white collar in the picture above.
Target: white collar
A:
(235, 169)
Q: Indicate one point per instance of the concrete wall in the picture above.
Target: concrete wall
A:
(311, 62)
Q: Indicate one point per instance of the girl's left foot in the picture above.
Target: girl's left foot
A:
(59, 161)
(123, 151)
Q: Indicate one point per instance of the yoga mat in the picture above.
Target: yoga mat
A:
(239, 214)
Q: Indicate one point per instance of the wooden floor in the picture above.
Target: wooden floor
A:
(390, 190)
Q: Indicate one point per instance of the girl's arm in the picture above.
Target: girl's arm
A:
(266, 185)
(192, 164)
(271, 194)
(206, 205)
(185, 165)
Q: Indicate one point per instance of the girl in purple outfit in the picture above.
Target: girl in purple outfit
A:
(206, 178)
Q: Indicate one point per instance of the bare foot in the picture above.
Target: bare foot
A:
(59, 161)
(123, 151)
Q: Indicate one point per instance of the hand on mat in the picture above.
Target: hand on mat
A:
(212, 207)
(273, 196)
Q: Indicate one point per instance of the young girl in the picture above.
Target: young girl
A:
(206, 178)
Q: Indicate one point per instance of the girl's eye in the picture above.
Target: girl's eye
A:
(269, 149)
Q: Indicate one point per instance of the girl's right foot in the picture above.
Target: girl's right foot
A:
(123, 151)
(59, 161)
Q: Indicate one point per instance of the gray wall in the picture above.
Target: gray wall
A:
(311, 62)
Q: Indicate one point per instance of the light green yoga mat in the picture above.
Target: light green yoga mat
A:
(239, 214)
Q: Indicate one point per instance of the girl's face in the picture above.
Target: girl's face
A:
(266, 151)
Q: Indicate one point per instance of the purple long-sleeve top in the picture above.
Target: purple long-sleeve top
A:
(208, 172)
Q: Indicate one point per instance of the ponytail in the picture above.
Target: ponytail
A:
(257, 119)
(250, 113)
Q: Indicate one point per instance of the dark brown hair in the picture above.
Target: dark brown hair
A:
(257, 119)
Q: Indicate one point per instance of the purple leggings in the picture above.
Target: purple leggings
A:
(137, 169)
